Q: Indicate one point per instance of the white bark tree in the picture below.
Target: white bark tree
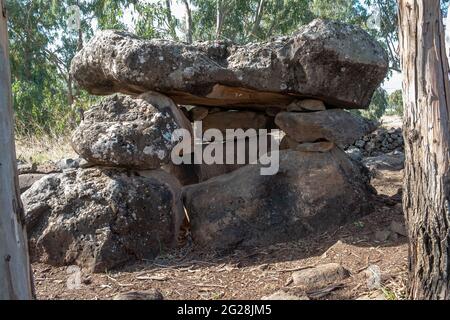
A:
(15, 276)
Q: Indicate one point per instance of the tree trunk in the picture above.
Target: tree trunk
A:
(219, 18)
(170, 21)
(15, 276)
(188, 21)
(257, 19)
(427, 140)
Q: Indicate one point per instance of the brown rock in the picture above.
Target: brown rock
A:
(320, 276)
(306, 105)
(198, 113)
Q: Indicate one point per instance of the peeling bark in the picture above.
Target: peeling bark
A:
(15, 275)
(427, 141)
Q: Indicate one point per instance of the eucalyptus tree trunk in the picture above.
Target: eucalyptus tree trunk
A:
(426, 193)
(15, 276)
(188, 21)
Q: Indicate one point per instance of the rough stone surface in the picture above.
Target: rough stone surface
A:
(338, 126)
(354, 153)
(101, 218)
(320, 276)
(129, 132)
(393, 161)
(310, 193)
(380, 142)
(68, 163)
(28, 179)
(339, 64)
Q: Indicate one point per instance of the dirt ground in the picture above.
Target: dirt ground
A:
(187, 274)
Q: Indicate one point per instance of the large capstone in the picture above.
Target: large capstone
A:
(130, 132)
(312, 192)
(101, 218)
(341, 65)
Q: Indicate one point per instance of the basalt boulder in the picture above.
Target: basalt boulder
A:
(102, 218)
(130, 132)
(341, 65)
(338, 126)
(311, 192)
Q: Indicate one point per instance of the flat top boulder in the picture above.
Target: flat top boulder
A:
(326, 60)
(130, 132)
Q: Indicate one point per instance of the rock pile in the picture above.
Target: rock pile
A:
(379, 142)
(118, 210)
(126, 207)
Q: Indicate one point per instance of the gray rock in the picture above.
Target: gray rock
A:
(393, 161)
(320, 276)
(360, 143)
(101, 218)
(28, 179)
(399, 228)
(310, 193)
(338, 126)
(68, 163)
(354, 153)
(129, 132)
(153, 294)
(382, 235)
(341, 65)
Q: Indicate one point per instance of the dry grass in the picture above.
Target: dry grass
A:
(44, 148)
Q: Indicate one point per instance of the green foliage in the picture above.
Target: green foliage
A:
(395, 101)
(377, 107)
(41, 48)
